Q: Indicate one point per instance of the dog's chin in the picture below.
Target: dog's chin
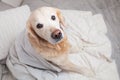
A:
(54, 42)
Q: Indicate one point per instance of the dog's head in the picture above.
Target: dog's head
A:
(47, 23)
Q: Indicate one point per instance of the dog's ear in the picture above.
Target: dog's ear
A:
(29, 29)
(31, 32)
(60, 17)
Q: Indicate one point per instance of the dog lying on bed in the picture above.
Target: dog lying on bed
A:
(46, 32)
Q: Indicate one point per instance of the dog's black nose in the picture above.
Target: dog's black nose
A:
(56, 34)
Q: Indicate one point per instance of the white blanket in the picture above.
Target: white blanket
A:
(84, 29)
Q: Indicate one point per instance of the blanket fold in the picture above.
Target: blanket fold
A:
(22, 58)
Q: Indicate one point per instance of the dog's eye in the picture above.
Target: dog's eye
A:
(39, 25)
(53, 17)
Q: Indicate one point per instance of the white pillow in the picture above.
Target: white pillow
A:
(13, 3)
(12, 22)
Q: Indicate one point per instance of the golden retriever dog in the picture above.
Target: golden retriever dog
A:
(46, 32)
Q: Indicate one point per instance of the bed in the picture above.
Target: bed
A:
(109, 11)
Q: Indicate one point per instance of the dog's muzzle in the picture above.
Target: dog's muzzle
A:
(56, 35)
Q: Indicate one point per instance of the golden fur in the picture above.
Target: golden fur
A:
(55, 53)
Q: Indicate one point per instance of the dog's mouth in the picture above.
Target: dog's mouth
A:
(58, 40)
